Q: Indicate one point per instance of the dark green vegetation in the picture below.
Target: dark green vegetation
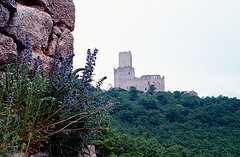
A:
(171, 124)
(59, 111)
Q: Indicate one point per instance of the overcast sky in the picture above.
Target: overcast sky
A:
(195, 44)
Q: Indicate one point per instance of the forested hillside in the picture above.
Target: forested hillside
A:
(171, 124)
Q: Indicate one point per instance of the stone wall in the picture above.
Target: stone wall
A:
(48, 23)
(141, 83)
(145, 81)
(124, 76)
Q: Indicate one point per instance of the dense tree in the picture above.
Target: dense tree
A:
(151, 89)
(176, 124)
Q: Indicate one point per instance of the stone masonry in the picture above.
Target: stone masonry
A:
(124, 76)
(49, 23)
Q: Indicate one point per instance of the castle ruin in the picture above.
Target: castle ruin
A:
(124, 76)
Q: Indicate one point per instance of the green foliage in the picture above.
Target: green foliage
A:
(180, 124)
(117, 144)
(151, 89)
(133, 93)
(58, 111)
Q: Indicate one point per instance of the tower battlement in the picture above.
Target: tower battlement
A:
(124, 76)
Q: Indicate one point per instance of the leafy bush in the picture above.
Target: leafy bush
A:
(59, 111)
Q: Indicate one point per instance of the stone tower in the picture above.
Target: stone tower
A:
(124, 76)
(125, 71)
(125, 59)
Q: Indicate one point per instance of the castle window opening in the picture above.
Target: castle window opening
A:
(128, 73)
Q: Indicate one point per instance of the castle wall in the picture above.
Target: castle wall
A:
(145, 81)
(121, 74)
(124, 76)
(141, 83)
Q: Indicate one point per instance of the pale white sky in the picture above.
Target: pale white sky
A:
(195, 44)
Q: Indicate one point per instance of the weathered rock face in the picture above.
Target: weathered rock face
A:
(64, 43)
(31, 21)
(49, 24)
(60, 10)
(4, 15)
(61, 40)
(8, 50)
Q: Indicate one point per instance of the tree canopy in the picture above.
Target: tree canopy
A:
(172, 124)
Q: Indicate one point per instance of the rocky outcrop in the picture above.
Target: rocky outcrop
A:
(8, 50)
(60, 10)
(10, 4)
(49, 24)
(4, 15)
(64, 44)
(27, 20)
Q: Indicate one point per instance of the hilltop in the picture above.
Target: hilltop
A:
(171, 124)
